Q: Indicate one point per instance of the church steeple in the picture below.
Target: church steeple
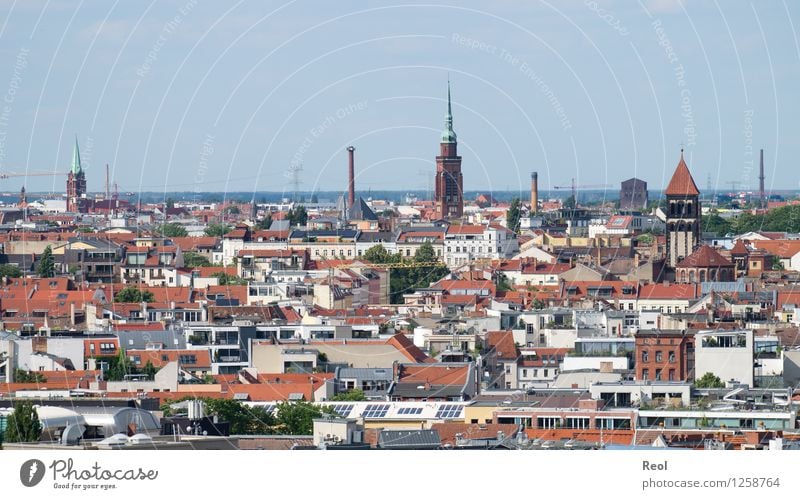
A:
(76, 159)
(448, 135)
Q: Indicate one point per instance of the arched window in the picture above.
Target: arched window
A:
(691, 276)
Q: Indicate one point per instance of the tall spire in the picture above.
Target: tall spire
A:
(76, 159)
(448, 135)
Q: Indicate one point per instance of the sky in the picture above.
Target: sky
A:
(195, 95)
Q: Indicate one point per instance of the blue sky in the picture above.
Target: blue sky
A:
(213, 96)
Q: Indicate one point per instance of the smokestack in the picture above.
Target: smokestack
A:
(351, 193)
(534, 193)
(761, 181)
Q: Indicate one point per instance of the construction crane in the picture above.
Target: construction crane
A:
(574, 188)
(4, 175)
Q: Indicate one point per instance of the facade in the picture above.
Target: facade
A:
(633, 195)
(683, 214)
(704, 265)
(726, 354)
(664, 356)
(449, 196)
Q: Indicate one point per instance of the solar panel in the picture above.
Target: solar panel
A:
(410, 411)
(343, 410)
(375, 411)
(449, 411)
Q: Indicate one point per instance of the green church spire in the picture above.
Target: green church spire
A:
(76, 159)
(448, 135)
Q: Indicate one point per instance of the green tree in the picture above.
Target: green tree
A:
(217, 230)
(47, 266)
(297, 215)
(8, 270)
(170, 203)
(118, 367)
(570, 203)
(149, 370)
(232, 210)
(266, 222)
(23, 424)
(425, 253)
(22, 376)
(244, 420)
(229, 280)
(503, 283)
(297, 418)
(513, 215)
(133, 295)
(378, 254)
(171, 230)
(354, 395)
(709, 380)
(192, 259)
(716, 224)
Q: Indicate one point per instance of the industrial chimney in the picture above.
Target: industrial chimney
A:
(534, 193)
(761, 182)
(351, 193)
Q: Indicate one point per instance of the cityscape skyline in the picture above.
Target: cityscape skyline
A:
(244, 122)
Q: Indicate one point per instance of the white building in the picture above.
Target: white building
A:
(726, 354)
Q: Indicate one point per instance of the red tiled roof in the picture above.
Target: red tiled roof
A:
(434, 374)
(667, 291)
(739, 248)
(466, 229)
(782, 248)
(682, 183)
(502, 342)
(704, 256)
(408, 348)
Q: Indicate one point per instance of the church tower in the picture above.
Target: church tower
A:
(449, 195)
(683, 214)
(76, 184)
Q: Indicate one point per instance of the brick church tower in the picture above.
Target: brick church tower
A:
(449, 196)
(76, 184)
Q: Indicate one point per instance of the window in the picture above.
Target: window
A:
(578, 423)
(548, 422)
(672, 374)
(645, 356)
(659, 356)
(524, 373)
(658, 374)
(672, 356)
(645, 374)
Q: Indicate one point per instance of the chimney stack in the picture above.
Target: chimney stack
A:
(351, 186)
(761, 182)
(534, 193)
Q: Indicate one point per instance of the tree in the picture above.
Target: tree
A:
(297, 418)
(244, 420)
(23, 424)
(133, 295)
(354, 395)
(149, 370)
(425, 253)
(228, 280)
(314, 199)
(709, 380)
(569, 203)
(170, 203)
(716, 224)
(233, 210)
(378, 254)
(47, 266)
(266, 222)
(192, 259)
(503, 283)
(217, 230)
(118, 367)
(8, 270)
(22, 376)
(297, 216)
(513, 215)
(171, 230)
